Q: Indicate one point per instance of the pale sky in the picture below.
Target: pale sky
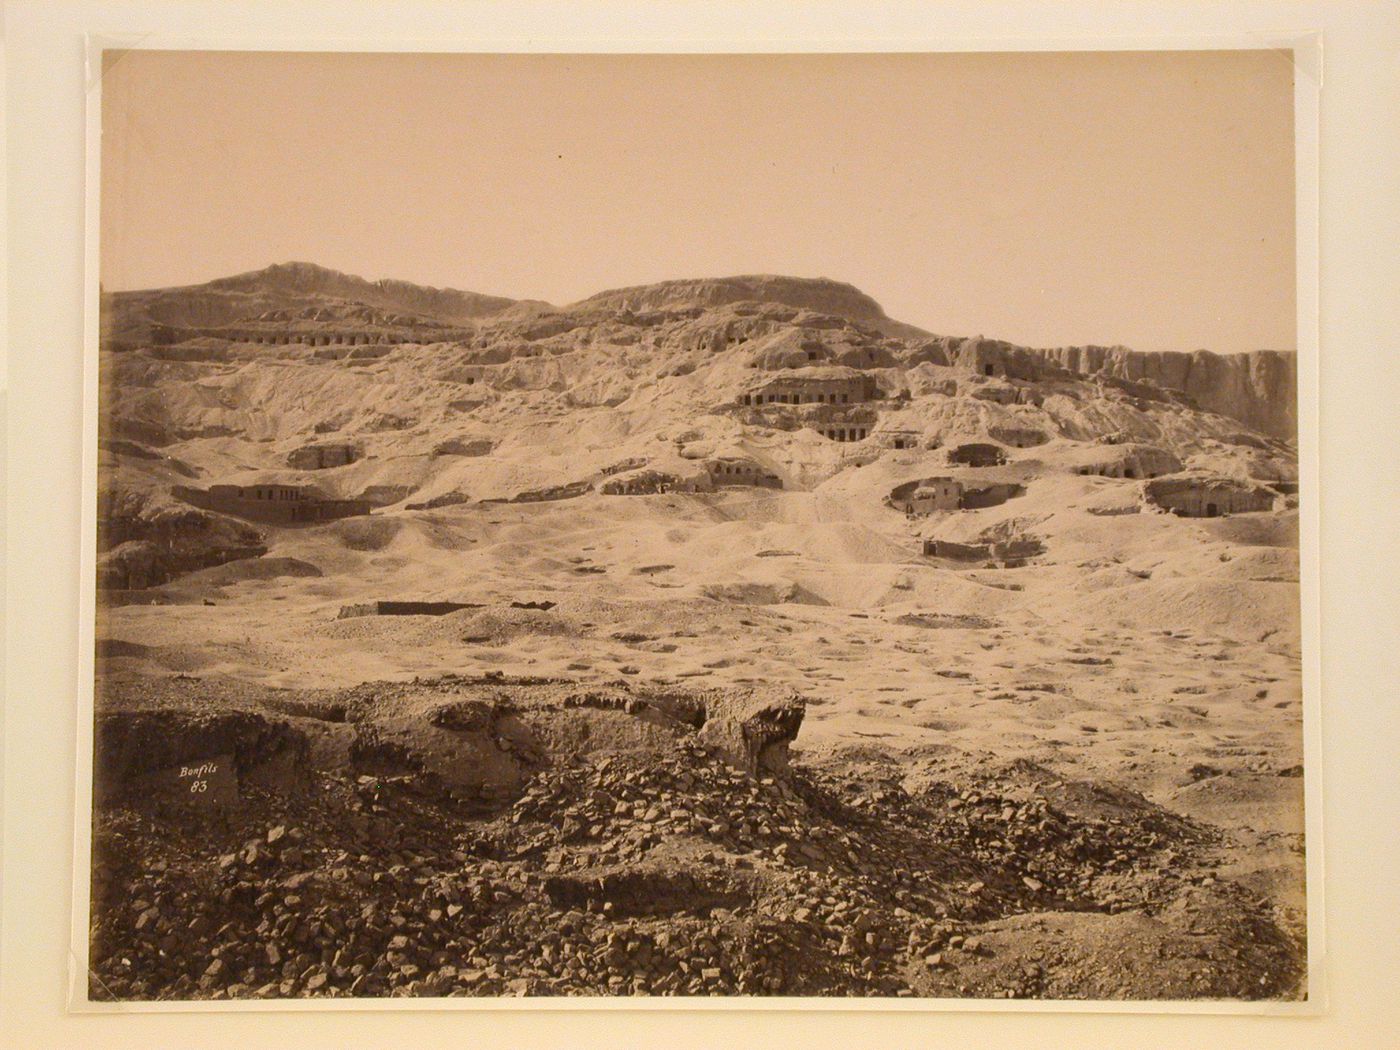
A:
(1049, 199)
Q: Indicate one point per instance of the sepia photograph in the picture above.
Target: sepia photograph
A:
(699, 526)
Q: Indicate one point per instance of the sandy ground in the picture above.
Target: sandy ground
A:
(1168, 661)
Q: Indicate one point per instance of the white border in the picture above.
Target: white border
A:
(1307, 57)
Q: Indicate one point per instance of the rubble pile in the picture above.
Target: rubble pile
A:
(661, 874)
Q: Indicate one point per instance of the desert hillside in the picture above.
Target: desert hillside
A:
(547, 594)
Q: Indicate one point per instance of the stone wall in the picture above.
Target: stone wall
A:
(403, 609)
(1011, 553)
(639, 483)
(957, 551)
(927, 496)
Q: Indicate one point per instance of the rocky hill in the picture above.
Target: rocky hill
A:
(429, 397)
(287, 291)
(1259, 389)
(298, 278)
(818, 295)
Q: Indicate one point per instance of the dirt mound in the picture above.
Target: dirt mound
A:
(367, 533)
(1206, 950)
(264, 568)
(1264, 530)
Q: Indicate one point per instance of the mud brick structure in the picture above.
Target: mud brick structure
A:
(271, 502)
(927, 496)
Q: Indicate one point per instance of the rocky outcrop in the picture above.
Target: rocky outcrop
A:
(752, 730)
(1197, 494)
(1127, 460)
(133, 565)
(322, 457)
(446, 499)
(1259, 388)
(464, 447)
(302, 302)
(550, 493)
(144, 544)
(640, 483)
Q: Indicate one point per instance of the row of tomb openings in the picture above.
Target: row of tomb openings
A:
(845, 433)
(738, 472)
(796, 399)
(1114, 471)
(320, 338)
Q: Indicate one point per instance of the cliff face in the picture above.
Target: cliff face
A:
(1259, 388)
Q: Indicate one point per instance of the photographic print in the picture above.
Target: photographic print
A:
(697, 525)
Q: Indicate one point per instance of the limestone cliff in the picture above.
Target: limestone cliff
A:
(1259, 388)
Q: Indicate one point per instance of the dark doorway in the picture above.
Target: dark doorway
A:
(1211, 510)
(989, 370)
